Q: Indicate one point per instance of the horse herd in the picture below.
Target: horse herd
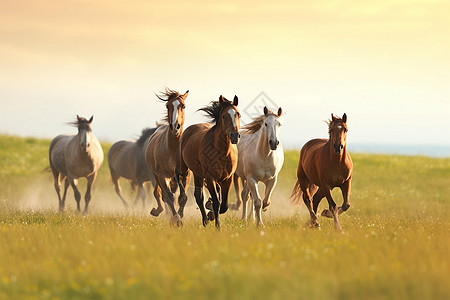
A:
(216, 153)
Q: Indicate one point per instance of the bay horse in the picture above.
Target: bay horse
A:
(73, 156)
(161, 153)
(209, 151)
(322, 166)
(261, 157)
(127, 159)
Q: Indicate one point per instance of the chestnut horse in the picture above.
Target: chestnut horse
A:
(127, 159)
(322, 166)
(209, 151)
(162, 153)
(73, 156)
(260, 159)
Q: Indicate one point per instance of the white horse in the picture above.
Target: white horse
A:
(261, 157)
(74, 156)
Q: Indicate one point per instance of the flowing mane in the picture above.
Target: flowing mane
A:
(81, 123)
(214, 109)
(166, 96)
(256, 123)
(146, 133)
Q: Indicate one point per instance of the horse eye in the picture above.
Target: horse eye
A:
(265, 124)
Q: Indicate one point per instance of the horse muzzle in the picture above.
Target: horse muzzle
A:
(175, 129)
(274, 144)
(234, 137)
(338, 148)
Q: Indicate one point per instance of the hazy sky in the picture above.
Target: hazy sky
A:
(385, 63)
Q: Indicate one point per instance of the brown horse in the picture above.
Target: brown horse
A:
(73, 156)
(209, 151)
(324, 165)
(162, 153)
(127, 159)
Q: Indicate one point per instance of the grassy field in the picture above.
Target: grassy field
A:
(396, 243)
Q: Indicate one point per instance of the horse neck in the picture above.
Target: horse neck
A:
(221, 139)
(333, 156)
(263, 147)
(173, 141)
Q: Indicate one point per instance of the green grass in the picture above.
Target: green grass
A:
(396, 243)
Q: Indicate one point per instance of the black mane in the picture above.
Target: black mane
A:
(214, 109)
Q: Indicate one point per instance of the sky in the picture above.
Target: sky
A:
(385, 63)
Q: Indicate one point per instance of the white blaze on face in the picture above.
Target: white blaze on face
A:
(232, 113)
(175, 111)
(339, 126)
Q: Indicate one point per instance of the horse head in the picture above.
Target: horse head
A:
(272, 127)
(175, 112)
(337, 130)
(229, 118)
(84, 133)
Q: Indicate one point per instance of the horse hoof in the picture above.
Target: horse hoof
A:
(208, 204)
(176, 221)
(223, 208)
(156, 212)
(205, 222)
(327, 213)
(210, 216)
(234, 206)
(265, 206)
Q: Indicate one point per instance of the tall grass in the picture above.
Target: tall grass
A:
(396, 242)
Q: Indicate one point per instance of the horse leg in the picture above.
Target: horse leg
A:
(157, 194)
(198, 194)
(307, 199)
(224, 190)
(176, 219)
(333, 209)
(270, 185)
(256, 198)
(317, 198)
(76, 193)
(237, 188)
(87, 196)
(140, 194)
(63, 200)
(182, 198)
(211, 186)
(345, 188)
(245, 194)
(57, 183)
(115, 180)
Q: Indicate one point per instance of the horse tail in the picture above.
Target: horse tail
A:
(296, 197)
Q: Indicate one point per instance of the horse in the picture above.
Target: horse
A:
(162, 152)
(261, 157)
(209, 151)
(322, 166)
(73, 156)
(127, 159)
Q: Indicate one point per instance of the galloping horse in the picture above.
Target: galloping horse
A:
(322, 166)
(162, 153)
(74, 156)
(209, 150)
(127, 159)
(260, 159)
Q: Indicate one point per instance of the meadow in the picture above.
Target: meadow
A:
(395, 245)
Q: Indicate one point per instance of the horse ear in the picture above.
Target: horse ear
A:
(280, 111)
(221, 99)
(266, 111)
(78, 118)
(344, 118)
(186, 94)
(92, 118)
(235, 100)
(332, 117)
